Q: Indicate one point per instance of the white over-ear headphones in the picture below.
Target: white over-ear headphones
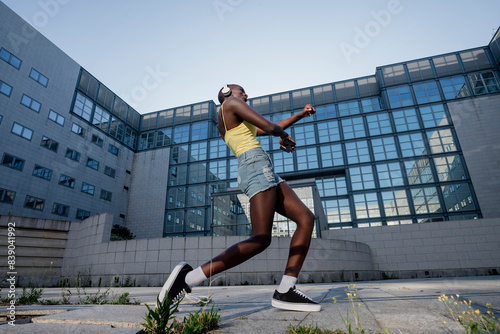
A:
(226, 91)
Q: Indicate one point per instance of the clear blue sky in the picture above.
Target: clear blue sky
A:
(193, 47)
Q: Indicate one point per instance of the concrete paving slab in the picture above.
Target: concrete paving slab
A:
(402, 306)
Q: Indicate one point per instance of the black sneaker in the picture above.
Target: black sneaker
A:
(175, 287)
(294, 300)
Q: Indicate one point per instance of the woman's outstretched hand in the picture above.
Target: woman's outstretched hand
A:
(287, 144)
(309, 110)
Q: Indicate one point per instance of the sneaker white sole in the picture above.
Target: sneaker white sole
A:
(171, 279)
(296, 306)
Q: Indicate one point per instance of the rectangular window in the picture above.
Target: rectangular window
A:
(7, 196)
(101, 119)
(426, 92)
(454, 88)
(357, 152)
(78, 130)
(82, 214)
(337, 210)
(389, 175)
(379, 124)
(197, 173)
(198, 151)
(10, 58)
(60, 209)
(94, 164)
(113, 149)
(399, 97)
(88, 188)
(449, 168)
(395, 203)
(30, 103)
(349, 108)
(106, 195)
(304, 135)
(425, 200)
(83, 107)
(53, 116)
(180, 154)
(117, 128)
(111, 172)
(447, 65)
(457, 197)
(42, 172)
(164, 137)
(366, 205)
(353, 128)
(12, 162)
(5, 89)
(181, 134)
(371, 104)
(433, 116)
(34, 203)
(325, 112)
(361, 178)
(22, 131)
(331, 155)
(178, 174)
(67, 181)
(218, 148)
(420, 70)
(38, 77)
(97, 140)
(483, 83)
(328, 131)
(199, 131)
(384, 148)
(405, 120)
(146, 140)
(73, 155)
(307, 158)
(441, 141)
(412, 145)
(283, 162)
(49, 144)
(394, 75)
(418, 171)
(332, 186)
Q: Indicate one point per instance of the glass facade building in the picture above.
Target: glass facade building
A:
(380, 150)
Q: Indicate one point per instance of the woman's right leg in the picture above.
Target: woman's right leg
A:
(262, 208)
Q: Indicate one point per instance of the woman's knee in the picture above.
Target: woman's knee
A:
(261, 242)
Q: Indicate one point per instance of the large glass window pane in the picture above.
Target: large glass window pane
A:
(426, 92)
(357, 152)
(307, 158)
(180, 154)
(198, 151)
(178, 175)
(405, 119)
(174, 221)
(328, 131)
(379, 124)
(331, 155)
(418, 171)
(101, 118)
(218, 148)
(420, 70)
(83, 106)
(441, 141)
(384, 148)
(304, 135)
(399, 97)
(280, 102)
(323, 94)
(371, 104)
(164, 137)
(325, 112)
(412, 145)
(433, 116)
(283, 162)
(196, 195)
(389, 175)
(349, 108)
(361, 178)
(483, 83)
(332, 186)
(449, 168)
(425, 200)
(176, 197)
(353, 128)
(345, 90)
(394, 75)
(474, 60)
(454, 87)
(218, 170)
(181, 134)
(458, 197)
(447, 65)
(337, 210)
(395, 203)
(366, 205)
(199, 131)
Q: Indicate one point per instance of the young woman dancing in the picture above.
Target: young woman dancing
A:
(238, 126)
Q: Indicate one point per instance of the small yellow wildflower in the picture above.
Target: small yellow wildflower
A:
(477, 312)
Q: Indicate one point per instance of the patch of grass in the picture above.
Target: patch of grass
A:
(201, 322)
(27, 297)
(311, 329)
(157, 319)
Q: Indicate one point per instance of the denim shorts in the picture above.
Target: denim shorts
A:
(255, 172)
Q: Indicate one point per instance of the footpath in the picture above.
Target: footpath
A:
(401, 306)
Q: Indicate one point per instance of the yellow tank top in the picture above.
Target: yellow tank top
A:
(240, 138)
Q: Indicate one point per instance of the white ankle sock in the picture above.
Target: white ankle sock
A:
(287, 282)
(195, 277)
